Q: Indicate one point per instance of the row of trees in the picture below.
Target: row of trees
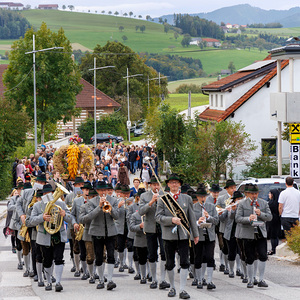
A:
(12, 24)
(141, 28)
(198, 150)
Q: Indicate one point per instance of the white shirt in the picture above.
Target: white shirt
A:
(290, 198)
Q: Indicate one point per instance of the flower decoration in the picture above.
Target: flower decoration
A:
(75, 139)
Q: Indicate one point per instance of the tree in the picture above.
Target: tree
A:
(116, 13)
(231, 67)
(125, 14)
(137, 27)
(166, 28)
(71, 7)
(130, 14)
(103, 12)
(124, 38)
(63, 7)
(57, 77)
(110, 12)
(14, 124)
(160, 20)
(176, 35)
(185, 42)
(222, 24)
(148, 18)
(121, 28)
(142, 28)
(140, 16)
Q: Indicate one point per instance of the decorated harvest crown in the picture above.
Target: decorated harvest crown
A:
(75, 139)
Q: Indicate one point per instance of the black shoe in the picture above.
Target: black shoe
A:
(238, 272)
(226, 272)
(204, 283)
(116, 265)
(105, 279)
(77, 274)
(73, 269)
(26, 273)
(172, 293)
(58, 287)
(245, 280)
(149, 278)
(20, 266)
(131, 270)
(262, 284)
(164, 285)
(125, 267)
(211, 286)
(41, 283)
(48, 287)
(242, 276)
(231, 275)
(35, 278)
(143, 281)
(31, 274)
(178, 270)
(96, 276)
(53, 279)
(195, 282)
(92, 280)
(255, 282)
(184, 295)
(222, 268)
(191, 275)
(85, 276)
(199, 285)
(137, 277)
(111, 285)
(121, 269)
(250, 284)
(153, 285)
(100, 285)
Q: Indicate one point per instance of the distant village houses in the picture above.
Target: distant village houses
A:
(48, 6)
(210, 42)
(11, 6)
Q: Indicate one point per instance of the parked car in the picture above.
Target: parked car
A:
(105, 137)
(265, 185)
(139, 129)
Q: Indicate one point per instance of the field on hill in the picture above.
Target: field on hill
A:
(281, 32)
(88, 30)
(173, 85)
(180, 101)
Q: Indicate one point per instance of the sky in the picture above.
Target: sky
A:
(156, 8)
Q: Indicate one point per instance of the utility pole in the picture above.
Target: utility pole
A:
(159, 78)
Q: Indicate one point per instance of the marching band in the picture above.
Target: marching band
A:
(107, 228)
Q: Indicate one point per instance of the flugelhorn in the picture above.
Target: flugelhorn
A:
(106, 207)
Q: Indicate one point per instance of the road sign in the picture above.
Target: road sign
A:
(294, 128)
(295, 138)
(128, 124)
(295, 160)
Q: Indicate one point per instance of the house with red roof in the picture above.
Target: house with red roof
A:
(48, 6)
(210, 42)
(245, 97)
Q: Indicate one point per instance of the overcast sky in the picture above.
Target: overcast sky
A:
(156, 8)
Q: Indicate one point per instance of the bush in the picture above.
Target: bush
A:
(25, 150)
(293, 239)
(114, 124)
(185, 88)
(5, 178)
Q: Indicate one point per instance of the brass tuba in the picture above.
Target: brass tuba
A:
(56, 220)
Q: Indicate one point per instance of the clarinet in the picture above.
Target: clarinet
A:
(203, 215)
(255, 207)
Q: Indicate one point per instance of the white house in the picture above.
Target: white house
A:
(195, 41)
(11, 6)
(245, 96)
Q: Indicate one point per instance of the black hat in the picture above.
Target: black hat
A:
(101, 185)
(140, 191)
(237, 194)
(78, 179)
(110, 186)
(92, 192)
(215, 188)
(174, 177)
(125, 188)
(118, 187)
(201, 191)
(20, 185)
(39, 193)
(251, 188)
(41, 177)
(153, 179)
(47, 188)
(87, 185)
(184, 188)
(229, 183)
(27, 185)
(27, 176)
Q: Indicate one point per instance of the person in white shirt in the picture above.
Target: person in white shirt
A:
(289, 205)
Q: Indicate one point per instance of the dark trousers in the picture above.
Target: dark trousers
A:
(130, 247)
(18, 242)
(255, 248)
(121, 242)
(288, 223)
(99, 243)
(242, 250)
(204, 247)
(39, 256)
(71, 248)
(142, 255)
(82, 250)
(33, 250)
(90, 256)
(54, 252)
(224, 248)
(136, 255)
(233, 248)
(182, 248)
(152, 244)
(192, 253)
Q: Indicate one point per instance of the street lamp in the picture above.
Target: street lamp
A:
(159, 78)
(95, 108)
(128, 122)
(34, 85)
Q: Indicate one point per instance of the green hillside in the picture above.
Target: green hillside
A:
(88, 30)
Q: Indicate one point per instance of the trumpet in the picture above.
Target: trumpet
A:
(79, 233)
(220, 209)
(106, 207)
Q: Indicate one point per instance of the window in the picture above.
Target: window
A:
(68, 133)
(211, 102)
(268, 147)
(216, 101)
(221, 100)
(90, 114)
